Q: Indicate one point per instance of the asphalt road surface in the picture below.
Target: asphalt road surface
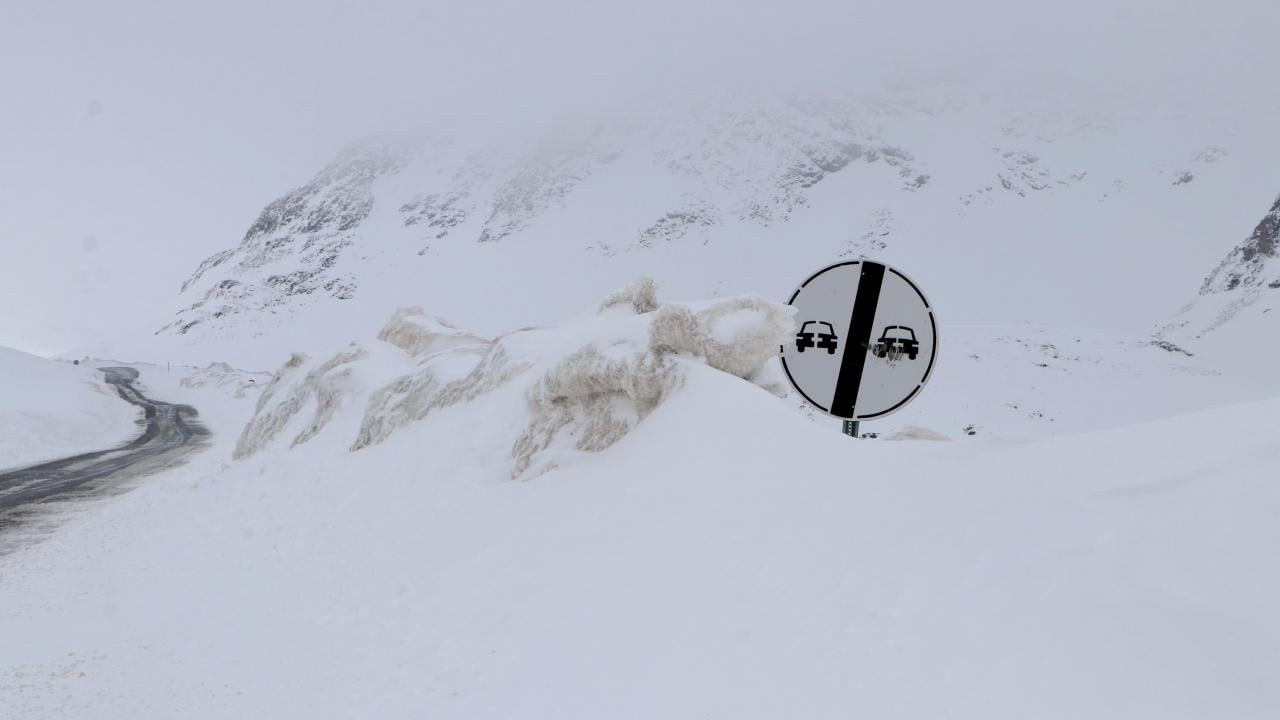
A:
(171, 432)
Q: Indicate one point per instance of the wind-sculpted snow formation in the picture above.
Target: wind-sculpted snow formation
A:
(306, 394)
(579, 386)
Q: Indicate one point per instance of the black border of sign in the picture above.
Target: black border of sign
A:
(933, 356)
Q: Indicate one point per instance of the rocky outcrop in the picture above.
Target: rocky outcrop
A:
(295, 244)
(1250, 273)
(1249, 264)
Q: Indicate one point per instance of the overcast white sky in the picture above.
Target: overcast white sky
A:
(137, 137)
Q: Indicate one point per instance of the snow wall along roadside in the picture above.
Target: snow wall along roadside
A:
(553, 391)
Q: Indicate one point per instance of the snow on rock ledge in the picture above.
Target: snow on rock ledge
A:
(576, 387)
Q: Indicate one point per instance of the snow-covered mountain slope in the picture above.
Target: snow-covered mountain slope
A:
(1005, 210)
(1232, 318)
(50, 409)
(720, 556)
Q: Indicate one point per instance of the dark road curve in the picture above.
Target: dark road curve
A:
(170, 432)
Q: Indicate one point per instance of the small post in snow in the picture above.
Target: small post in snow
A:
(851, 428)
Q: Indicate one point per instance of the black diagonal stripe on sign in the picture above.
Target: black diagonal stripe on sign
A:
(857, 339)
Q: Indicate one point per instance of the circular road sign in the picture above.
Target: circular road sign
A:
(865, 340)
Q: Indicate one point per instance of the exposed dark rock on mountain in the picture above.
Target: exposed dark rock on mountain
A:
(711, 198)
(308, 228)
(1248, 264)
(1248, 276)
(319, 240)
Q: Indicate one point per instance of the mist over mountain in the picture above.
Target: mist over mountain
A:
(114, 155)
(1014, 207)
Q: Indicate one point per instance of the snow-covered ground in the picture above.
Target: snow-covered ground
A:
(50, 409)
(487, 351)
(721, 556)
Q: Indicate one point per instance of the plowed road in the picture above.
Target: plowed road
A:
(171, 431)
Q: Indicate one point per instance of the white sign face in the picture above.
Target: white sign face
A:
(865, 340)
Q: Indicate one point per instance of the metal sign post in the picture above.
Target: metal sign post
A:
(865, 344)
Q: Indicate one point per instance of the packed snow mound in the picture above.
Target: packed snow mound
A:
(417, 333)
(576, 387)
(911, 432)
(440, 381)
(306, 395)
(50, 409)
(736, 335)
(641, 296)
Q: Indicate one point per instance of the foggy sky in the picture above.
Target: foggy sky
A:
(138, 137)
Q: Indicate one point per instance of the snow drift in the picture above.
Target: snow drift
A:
(579, 386)
(306, 394)
(50, 409)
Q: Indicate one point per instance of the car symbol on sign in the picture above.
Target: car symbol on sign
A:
(897, 340)
(826, 340)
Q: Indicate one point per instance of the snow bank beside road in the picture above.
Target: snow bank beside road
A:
(579, 386)
(307, 394)
(50, 409)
